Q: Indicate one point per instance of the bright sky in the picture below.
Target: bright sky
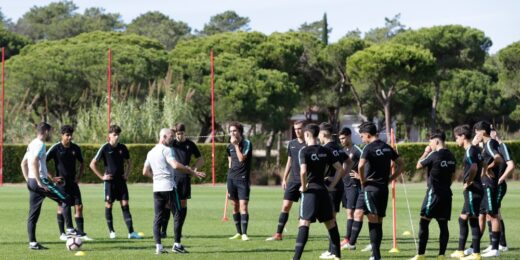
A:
(500, 20)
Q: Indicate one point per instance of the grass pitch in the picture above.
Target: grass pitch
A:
(206, 237)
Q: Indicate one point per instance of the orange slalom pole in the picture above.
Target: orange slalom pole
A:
(224, 217)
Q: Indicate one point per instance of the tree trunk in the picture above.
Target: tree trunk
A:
(435, 100)
(278, 148)
(205, 129)
(269, 145)
(388, 118)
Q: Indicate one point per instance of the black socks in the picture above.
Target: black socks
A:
(475, 234)
(301, 240)
(128, 218)
(463, 235)
(282, 220)
(356, 229)
(244, 220)
(424, 233)
(236, 219)
(108, 217)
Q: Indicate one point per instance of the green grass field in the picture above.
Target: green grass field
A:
(206, 237)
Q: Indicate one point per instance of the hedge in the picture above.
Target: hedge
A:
(13, 154)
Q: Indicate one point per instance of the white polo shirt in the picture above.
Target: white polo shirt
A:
(157, 159)
(36, 150)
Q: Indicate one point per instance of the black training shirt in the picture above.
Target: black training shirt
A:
(113, 157)
(473, 156)
(378, 156)
(183, 153)
(354, 153)
(441, 167)
(240, 170)
(491, 148)
(293, 148)
(317, 158)
(338, 152)
(65, 160)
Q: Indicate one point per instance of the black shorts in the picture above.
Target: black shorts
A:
(116, 190)
(292, 192)
(472, 201)
(238, 189)
(376, 201)
(336, 197)
(502, 190)
(351, 198)
(183, 186)
(73, 190)
(316, 204)
(489, 204)
(435, 206)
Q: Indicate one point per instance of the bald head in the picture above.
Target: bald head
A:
(165, 136)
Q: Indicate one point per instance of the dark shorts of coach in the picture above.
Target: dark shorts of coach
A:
(316, 205)
(238, 189)
(336, 197)
(353, 198)
(489, 204)
(292, 191)
(472, 201)
(376, 201)
(436, 206)
(116, 190)
(183, 184)
(502, 190)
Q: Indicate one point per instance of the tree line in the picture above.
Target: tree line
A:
(431, 77)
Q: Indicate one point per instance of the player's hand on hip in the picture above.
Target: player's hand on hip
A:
(107, 177)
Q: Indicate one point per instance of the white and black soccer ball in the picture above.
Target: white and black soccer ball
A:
(73, 243)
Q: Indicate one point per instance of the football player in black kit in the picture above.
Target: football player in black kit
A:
(490, 181)
(116, 158)
(315, 203)
(240, 153)
(440, 163)
(375, 175)
(353, 201)
(472, 191)
(290, 185)
(325, 137)
(65, 153)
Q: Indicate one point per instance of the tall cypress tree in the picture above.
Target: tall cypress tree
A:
(325, 30)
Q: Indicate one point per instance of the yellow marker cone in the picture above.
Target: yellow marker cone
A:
(80, 253)
(394, 250)
(407, 233)
(141, 234)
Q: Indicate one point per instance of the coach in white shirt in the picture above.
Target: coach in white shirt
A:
(159, 165)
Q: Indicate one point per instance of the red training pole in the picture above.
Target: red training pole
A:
(394, 210)
(3, 121)
(213, 119)
(109, 84)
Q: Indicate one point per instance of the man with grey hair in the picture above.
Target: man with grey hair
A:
(159, 165)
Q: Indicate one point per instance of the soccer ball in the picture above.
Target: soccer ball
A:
(73, 243)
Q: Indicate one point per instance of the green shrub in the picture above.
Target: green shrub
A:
(410, 152)
(13, 154)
